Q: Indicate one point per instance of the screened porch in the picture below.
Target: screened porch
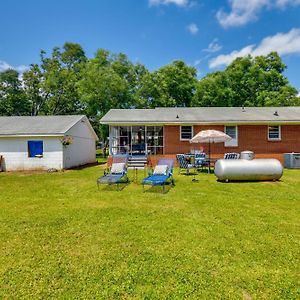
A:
(136, 140)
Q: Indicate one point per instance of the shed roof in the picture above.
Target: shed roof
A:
(39, 125)
(203, 115)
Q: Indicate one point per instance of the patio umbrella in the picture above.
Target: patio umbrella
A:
(210, 136)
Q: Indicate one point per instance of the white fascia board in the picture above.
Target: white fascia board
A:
(227, 122)
(31, 135)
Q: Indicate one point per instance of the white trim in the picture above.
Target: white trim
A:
(232, 142)
(233, 123)
(274, 139)
(181, 139)
(86, 121)
(31, 135)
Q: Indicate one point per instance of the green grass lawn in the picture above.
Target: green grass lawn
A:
(62, 238)
(100, 158)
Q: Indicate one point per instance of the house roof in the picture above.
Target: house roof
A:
(39, 125)
(203, 115)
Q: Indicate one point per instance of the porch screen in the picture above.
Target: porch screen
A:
(155, 139)
(136, 139)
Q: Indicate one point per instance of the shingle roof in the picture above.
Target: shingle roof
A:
(202, 115)
(39, 125)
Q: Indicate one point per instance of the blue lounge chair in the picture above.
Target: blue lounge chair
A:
(117, 174)
(158, 179)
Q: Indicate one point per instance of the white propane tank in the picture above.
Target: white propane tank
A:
(248, 170)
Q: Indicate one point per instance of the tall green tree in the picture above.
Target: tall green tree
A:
(109, 81)
(12, 97)
(61, 72)
(33, 89)
(247, 81)
(101, 87)
(171, 85)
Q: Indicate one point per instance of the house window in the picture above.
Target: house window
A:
(233, 133)
(35, 148)
(186, 133)
(274, 133)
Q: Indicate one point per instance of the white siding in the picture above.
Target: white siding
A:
(83, 149)
(15, 153)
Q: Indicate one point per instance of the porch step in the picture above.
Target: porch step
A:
(137, 162)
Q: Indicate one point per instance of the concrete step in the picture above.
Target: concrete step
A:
(138, 162)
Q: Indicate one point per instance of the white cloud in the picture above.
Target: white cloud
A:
(193, 28)
(5, 66)
(197, 62)
(284, 3)
(241, 13)
(200, 60)
(213, 47)
(245, 11)
(226, 59)
(166, 2)
(283, 43)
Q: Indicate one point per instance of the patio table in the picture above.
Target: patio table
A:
(210, 162)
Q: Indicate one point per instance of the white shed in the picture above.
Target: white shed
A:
(44, 142)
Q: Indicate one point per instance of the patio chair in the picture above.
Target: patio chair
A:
(161, 175)
(117, 174)
(200, 159)
(232, 155)
(183, 164)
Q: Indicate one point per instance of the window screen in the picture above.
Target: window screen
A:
(274, 133)
(186, 132)
(231, 131)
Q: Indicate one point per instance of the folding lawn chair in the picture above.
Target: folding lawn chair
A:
(200, 159)
(232, 155)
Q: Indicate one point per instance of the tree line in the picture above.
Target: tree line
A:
(68, 82)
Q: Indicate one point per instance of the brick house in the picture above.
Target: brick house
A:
(267, 131)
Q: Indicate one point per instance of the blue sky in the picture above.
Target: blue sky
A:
(207, 34)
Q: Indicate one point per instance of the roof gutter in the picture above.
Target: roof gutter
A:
(30, 135)
(229, 122)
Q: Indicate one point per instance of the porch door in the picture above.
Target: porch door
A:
(138, 144)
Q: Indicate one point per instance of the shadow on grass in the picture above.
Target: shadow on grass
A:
(249, 181)
(84, 166)
(158, 189)
(113, 187)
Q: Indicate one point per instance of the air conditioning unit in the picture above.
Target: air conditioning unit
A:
(292, 160)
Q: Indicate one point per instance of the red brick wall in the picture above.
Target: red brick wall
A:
(250, 137)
